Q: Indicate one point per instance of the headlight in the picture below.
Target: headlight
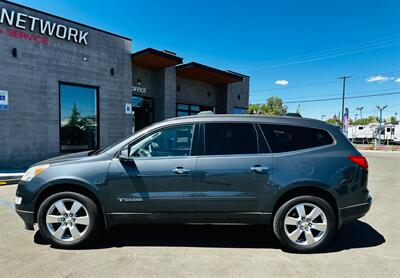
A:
(34, 171)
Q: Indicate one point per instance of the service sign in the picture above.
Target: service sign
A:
(44, 27)
(3, 100)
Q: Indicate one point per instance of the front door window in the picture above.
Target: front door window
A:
(173, 141)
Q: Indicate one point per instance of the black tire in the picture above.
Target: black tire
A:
(93, 229)
(279, 227)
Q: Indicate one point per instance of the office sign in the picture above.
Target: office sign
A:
(45, 27)
(3, 100)
(137, 89)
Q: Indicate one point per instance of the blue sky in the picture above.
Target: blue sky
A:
(306, 43)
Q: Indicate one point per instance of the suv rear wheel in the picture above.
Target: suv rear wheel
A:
(305, 224)
(68, 219)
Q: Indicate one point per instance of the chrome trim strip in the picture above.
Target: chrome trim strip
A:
(25, 211)
(261, 213)
(238, 198)
(352, 206)
(147, 213)
(188, 195)
(136, 213)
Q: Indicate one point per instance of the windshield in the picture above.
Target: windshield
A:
(111, 146)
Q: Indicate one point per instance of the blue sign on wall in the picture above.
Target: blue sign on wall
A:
(3, 100)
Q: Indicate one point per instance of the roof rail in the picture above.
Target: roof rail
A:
(206, 113)
(293, 115)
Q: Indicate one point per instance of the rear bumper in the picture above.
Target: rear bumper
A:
(353, 212)
(27, 217)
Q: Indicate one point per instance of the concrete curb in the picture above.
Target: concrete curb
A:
(10, 178)
(382, 152)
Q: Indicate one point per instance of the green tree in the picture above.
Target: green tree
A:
(75, 117)
(334, 120)
(273, 106)
(365, 121)
(393, 120)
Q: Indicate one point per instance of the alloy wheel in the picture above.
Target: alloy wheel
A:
(67, 220)
(305, 224)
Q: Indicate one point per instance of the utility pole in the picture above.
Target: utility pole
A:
(355, 117)
(360, 109)
(343, 96)
(380, 121)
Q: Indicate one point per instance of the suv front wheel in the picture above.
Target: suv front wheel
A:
(68, 219)
(304, 224)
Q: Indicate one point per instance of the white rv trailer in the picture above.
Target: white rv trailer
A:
(362, 133)
(389, 133)
(396, 137)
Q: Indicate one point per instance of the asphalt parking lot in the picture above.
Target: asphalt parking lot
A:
(369, 247)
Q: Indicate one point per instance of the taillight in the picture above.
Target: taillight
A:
(359, 160)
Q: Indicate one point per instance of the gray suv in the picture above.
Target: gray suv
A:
(300, 175)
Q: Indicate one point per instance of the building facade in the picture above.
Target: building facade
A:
(67, 87)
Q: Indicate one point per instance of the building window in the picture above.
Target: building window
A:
(78, 118)
(190, 109)
(238, 110)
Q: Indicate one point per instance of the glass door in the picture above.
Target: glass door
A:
(142, 112)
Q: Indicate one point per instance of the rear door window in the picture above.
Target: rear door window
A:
(230, 138)
(286, 138)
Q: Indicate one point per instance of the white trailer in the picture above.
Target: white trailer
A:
(362, 133)
(389, 133)
(396, 134)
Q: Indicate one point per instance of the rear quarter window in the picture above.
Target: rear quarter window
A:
(286, 138)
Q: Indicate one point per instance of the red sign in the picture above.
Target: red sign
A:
(25, 36)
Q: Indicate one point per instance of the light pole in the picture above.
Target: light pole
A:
(380, 121)
(343, 96)
(355, 117)
(360, 109)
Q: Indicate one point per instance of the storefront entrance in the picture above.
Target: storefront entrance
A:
(142, 112)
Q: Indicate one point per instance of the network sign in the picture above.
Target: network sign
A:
(3, 100)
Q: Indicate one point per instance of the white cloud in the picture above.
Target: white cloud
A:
(397, 80)
(281, 82)
(378, 78)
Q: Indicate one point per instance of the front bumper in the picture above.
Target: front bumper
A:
(349, 213)
(28, 217)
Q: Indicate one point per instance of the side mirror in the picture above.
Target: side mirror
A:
(124, 155)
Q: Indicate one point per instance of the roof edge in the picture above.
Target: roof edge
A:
(195, 64)
(65, 19)
(157, 52)
(238, 73)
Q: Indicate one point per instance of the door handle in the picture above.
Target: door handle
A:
(181, 171)
(259, 169)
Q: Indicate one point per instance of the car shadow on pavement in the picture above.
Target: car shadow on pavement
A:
(353, 235)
